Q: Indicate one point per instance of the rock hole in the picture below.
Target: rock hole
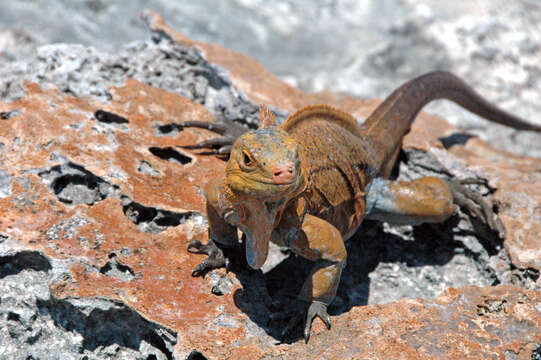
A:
(73, 184)
(169, 218)
(536, 354)
(170, 154)
(455, 139)
(102, 323)
(155, 220)
(76, 189)
(14, 264)
(6, 115)
(146, 168)
(13, 316)
(138, 213)
(169, 129)
(110, 118)
(116, 269)
(196, 355)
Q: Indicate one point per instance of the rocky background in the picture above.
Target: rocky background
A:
(364, 48)
(99, 199)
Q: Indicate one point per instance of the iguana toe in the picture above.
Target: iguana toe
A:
(318, 309)
(215, 259)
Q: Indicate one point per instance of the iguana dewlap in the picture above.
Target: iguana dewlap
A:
(308, 183)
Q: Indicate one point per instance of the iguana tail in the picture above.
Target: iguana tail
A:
(393, 117)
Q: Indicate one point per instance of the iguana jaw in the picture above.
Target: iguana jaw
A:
(257, 218)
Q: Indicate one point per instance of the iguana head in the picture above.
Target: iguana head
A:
(264, 173)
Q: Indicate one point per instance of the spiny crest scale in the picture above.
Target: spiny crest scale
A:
(266, 117)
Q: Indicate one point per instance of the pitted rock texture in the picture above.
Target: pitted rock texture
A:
(100, 199)
(37, 325)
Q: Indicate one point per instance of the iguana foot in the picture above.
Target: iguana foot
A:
(222, 145)
(475, 204)
(296, 314)
(215, 259)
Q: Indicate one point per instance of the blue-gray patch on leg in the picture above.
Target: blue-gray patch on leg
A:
(381, 205)
(379, 199)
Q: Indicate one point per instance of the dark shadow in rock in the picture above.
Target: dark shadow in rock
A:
(168, 153)
(455, 139)
(536, 354)
(6, 115)
(73, 184)
(14, 264)
(116, 269)
(170, 129)
(154, 220)
(104, 322)
(196, 355)
(110, 118)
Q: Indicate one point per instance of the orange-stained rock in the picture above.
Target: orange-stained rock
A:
(151, 271)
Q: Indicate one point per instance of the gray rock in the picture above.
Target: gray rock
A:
(5, 184)
(33, 322)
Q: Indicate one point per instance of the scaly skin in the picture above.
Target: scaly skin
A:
(309, 183)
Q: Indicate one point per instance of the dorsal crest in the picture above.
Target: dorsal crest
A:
(266, 117)
(326, 112)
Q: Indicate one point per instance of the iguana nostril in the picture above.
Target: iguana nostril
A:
(283, 173)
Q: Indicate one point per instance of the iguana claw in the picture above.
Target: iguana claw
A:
(475, 204)
(296, 314)
(318, 309)
(215, 259)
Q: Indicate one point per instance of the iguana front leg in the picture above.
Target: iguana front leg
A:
(220, 231)
(321, 242)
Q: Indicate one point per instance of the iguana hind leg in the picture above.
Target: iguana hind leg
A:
(426, 200)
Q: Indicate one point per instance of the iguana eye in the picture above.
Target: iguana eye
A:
(247, 159)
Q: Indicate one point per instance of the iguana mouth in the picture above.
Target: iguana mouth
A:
(258, 178)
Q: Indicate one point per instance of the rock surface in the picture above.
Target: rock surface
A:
(98, 200)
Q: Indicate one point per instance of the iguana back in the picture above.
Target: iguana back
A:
(339, 164)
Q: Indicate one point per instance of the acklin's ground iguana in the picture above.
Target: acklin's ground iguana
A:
(309, 183)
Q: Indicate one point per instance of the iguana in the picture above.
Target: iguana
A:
(309, 183)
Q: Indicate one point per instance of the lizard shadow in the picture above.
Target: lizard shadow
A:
(381, 266)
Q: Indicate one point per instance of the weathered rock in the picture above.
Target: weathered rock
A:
(99, 200)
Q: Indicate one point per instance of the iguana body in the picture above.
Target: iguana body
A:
(309, 183)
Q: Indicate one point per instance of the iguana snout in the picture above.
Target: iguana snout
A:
(284, 173)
